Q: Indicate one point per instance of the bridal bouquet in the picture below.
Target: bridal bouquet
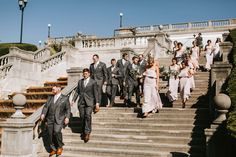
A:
(174, 73)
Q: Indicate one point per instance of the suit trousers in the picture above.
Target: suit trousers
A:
(86, 117)
(133, 88)
(99, 86)
(112, 93)
(123, 89)
(55, 135)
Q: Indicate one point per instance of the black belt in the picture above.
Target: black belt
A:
(151, 77)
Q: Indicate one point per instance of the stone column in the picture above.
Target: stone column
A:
(225, 49)
(219, 73)
(17, 132)
(74, 74)
(216, 136)
(78, 42)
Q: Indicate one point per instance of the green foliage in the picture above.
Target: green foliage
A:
(231, 89)
(4, 47)
(56, 48)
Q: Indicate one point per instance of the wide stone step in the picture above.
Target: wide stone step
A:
(157, 126)
(132, 146)
(123, 152)
(150, 120)
(113, 152)
(159, 115)
(62, 79)
(139, 138)
(40, 89)
(61, 83)
(141, 131)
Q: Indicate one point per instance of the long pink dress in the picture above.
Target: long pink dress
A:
(172, 94)
(152, 100)
(184, 83)
(209, 56)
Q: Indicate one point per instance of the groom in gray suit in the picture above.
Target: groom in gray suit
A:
(98, 72)
(88, 98)
(56, 111)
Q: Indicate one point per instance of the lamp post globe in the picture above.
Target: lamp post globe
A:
(121, 22)
(49, 30)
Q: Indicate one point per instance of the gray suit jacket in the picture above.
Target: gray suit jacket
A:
(100, 73)
(62, 109)
(122, 67)
(113, 80)
(143, 66)
(131, 76)
(88, 94)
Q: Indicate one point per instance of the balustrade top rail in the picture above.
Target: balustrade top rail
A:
(202, 24)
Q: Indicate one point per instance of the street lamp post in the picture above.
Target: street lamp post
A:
(49, 30)
(121, 15)
(22, 5)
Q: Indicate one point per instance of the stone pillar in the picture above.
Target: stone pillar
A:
(225, 49)
(219, 73)
(216, 136)
(74, 74)
(17, 133)
(78, 42)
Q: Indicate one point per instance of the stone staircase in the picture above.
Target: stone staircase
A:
(119, 131)
(36, 96)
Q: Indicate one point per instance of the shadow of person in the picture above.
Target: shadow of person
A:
(179, 154)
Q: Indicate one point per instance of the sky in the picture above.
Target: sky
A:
(101, 17)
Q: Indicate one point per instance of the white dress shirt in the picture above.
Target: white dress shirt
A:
(56, 97)
(86, 81)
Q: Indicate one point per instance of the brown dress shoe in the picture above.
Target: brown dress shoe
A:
(59, 151)
(86, 138)
(53, 152)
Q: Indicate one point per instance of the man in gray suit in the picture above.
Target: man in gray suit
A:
(131, 78)
(88, 98)
(56, 111)
(98, 72)
(122, 64)
(113, 81)
(143, 65)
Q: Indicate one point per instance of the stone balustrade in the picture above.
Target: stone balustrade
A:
(98, 43)
(4, 70)
(42, 53)
(53, 60)
(204, 24)
(3, 60)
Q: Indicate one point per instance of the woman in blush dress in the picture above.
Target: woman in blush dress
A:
(195, 54)
(179, 53)
(175, 46)
(152, 100)
(184, 83)
(172, 93)
(192, 67)
(209, 55)
(216, 50)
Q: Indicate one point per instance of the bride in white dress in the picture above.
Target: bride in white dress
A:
(152, 100)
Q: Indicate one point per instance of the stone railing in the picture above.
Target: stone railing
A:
(217, 139)
(98, 43)
(118, 42)
(53, 60)
(42, 53)
(204, 24)
(4, 60)
(4, 70)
